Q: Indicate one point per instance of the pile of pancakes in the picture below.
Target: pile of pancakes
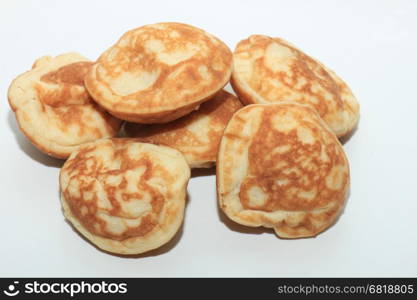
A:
(131, 125)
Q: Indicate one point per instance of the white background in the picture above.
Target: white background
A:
(371, 44)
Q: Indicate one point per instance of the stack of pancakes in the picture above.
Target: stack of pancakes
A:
(152, 106)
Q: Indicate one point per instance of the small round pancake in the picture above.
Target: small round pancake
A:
(269, 70)
(158, 73)
(197, 135)
(53, 108)
(124, 196)
(281, 167)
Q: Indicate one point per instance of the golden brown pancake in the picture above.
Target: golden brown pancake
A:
(269, 70)
(281, 167)
(124, 196)
(158, 73)
(53, 108)
(197, 135)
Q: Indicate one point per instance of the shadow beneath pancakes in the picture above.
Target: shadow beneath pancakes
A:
(259, 230)
(154, 252)
(344, 139)
(26, 146)
(200, 172)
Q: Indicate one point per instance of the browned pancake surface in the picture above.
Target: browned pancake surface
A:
(197, 135)
(160, 72)
(125, 196)
(53, 108)
(270, 70)
(280, 166)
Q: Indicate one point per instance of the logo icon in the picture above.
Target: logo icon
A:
(11, 289)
